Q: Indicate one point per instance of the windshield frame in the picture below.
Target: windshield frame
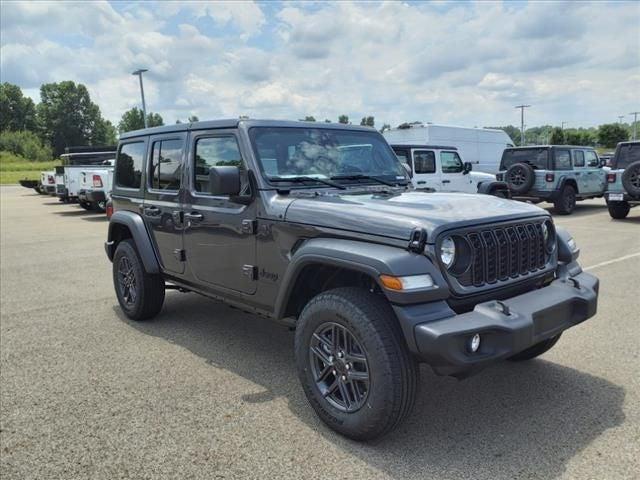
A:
(280, 183)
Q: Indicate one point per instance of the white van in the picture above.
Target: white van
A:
(482, 147)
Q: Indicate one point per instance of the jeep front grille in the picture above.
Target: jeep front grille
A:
(502, 252)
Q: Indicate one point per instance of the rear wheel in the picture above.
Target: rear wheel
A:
(139, 293)
(101, 206)
(354, 366)
(566, 202)
(87, 205)
(618, 210)
(536, 350)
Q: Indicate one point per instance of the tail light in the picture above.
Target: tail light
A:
(97, 181)
(51, 180)
(611, 178)
(109, 209)
(550, 177)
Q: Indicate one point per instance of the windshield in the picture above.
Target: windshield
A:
(325, 153)
(536, 157)
(626, 154)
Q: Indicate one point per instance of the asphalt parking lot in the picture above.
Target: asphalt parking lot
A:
(205, 391)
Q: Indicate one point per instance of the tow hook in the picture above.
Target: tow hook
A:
(503, 307)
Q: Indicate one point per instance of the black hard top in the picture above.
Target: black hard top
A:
(632, 142)
(548, 146)
(234, 123)
(423, 147)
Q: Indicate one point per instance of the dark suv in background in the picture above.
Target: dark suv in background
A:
(315, 226)
(560, 174)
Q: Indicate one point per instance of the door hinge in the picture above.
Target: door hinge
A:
(180, 255)
(249, 226)
(250, 271)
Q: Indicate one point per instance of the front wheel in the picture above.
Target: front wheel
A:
(536, 350)
(353, 363)
(139, 293)
(618, 210)
(566, 202)
(86, 205)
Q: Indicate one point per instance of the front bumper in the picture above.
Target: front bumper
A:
(505, 328)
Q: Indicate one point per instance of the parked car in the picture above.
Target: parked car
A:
(31, 184)
(76, 160)
(48, 182)
(481, 147)
(560, 174)
(95, 186)
(623, 180)
(373, 275)
(441, 169)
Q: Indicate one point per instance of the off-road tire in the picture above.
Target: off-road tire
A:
(87, 205)
(618, 210)
(536, 350)
(631, 179)
(150, 287)
(101, 207)
(393, 372)
(566, 201)
(519, 177)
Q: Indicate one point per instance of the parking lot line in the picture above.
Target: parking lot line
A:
(615, 260)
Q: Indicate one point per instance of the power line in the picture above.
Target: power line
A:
(522, 107)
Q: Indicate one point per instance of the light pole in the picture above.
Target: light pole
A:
(522, 107)
(620, 117)
(562, 126)
(139, 73)
(635, 124)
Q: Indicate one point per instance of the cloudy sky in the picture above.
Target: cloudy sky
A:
(455, 63)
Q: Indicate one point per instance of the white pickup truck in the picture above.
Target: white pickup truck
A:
(95, 186)
(441, 169)
(48, 182)
(77, 160)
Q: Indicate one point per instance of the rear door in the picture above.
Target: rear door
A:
(425, 174)
(580, 171)
(162, 210)
(220, 233)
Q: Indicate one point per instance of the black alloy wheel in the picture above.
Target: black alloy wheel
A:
(127, 281)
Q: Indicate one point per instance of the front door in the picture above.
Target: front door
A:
(597, 176)
(219, 234)
(452, 177)
(424, 169)
(162, 205)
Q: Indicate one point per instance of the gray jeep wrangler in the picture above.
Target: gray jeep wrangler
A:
(284, 220)
(561, 174)
(623, 180)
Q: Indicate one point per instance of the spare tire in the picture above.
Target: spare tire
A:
(519, 178)
(631, 179)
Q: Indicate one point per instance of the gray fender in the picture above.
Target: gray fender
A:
(135, 224)
(371, 259)
(486, 187)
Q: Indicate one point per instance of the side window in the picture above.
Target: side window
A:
(451, 162)
(424, 161)
(402, 155)
(592, 158)
(129, 165)
(578, 158)
(217, 152)
(563, 160)
(165, 167)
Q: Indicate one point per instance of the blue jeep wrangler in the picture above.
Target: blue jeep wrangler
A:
(623, 181)
(561, 174)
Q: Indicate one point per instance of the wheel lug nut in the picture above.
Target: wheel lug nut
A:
(347, 366)
(344, 377)
(333, 372)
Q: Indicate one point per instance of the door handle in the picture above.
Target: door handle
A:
(151, 211)
(194, 216)
(421, 182)
(446, 181)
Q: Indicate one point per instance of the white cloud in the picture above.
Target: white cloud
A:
(450, 63)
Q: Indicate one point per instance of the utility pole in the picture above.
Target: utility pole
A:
(139, 73)
(635, 124)
(522, 107)
(562, 126)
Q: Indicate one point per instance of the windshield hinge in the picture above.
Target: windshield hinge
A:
(418, 240)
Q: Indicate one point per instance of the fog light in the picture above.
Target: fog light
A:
(474, 343)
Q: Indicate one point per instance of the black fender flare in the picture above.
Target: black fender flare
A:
(368, 258)
(563, 181)
(487, 187)
(141, 238)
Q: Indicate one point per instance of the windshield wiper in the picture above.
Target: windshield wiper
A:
(368, 177)
(302, 178)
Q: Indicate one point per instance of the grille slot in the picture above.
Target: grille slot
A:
(503, 252)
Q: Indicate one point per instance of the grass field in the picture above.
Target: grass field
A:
(14, 168)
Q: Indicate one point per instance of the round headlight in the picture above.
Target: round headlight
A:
(548, 236)
(448, 251)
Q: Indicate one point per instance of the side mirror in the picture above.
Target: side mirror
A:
(224, 181)
(467, 167)
(408, 169)
(603, 163)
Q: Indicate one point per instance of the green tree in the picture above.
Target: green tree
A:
(67, 117)
(513, 132)
(610, 134)
(368, 121)
(17, 112)
(557, 137)
(193, 119)
(26, 144)
(343, 119)
(308, 118)
(326, 120)
(134, 120)
(385, 127)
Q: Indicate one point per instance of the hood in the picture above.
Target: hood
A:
(397, 215)
(482, 176)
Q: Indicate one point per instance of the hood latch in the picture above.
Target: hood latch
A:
(418, 240)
